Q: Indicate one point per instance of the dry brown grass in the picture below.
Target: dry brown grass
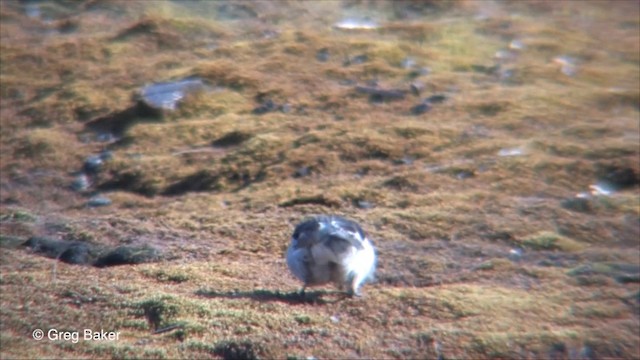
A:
(480, 255)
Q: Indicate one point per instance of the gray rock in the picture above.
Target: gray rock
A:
(125, 255)
(98, 201)
(166, 95)
(323, 55)
(80, 182)
(421, 108)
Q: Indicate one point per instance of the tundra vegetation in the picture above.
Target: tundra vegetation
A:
(489, 149)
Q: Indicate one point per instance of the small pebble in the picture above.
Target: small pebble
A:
(416, 88)
(567, 64)
(516, 45)
(334, 319)
(378, 95)
(504, 55)
(323, 55)
(302, 172)
(105, 137)
(436, 99)
(465, 174)
(167, 95)
(97, 201)
(505, 74)
(106, 155)
(602, 188)
(515, 254)
(363, 204)
(80, 183)
(421, 108)
(93, 164)
(356, 24)
(587, 353)
(265, 107)
(511, 152)
(406, 160)
(356, 60)
(421, 71)
(407, 63)
(285, 108)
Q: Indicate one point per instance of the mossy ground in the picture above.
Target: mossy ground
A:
(479, 254)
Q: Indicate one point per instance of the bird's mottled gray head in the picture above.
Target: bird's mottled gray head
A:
(321, 228)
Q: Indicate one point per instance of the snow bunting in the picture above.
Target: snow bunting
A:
(330, 248)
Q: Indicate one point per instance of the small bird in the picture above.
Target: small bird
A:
(330, 248)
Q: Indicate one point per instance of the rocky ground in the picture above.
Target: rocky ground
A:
(156, 155)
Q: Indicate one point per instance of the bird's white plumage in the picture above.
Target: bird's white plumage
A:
(328, 249)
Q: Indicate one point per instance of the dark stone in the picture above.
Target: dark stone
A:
(285, 108)
(587, 352)
(558, 351)
(71, 252)
(127, 255)
(80, 182)
(92, 164)
(628, 278)
(77, 253)
(488, 70)
(48, 247)
(267, 106)
(322, 55)
(406, 160)
(106, 155)
(105, 137)
(436, 99)
(302, 172)
(421, 108)
(419, 72)
(465, 174)
(381, 95)
(67, 26)
(356, 60)
(98, 201)
(617, 176)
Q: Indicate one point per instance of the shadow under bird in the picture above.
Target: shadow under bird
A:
(330, 248)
